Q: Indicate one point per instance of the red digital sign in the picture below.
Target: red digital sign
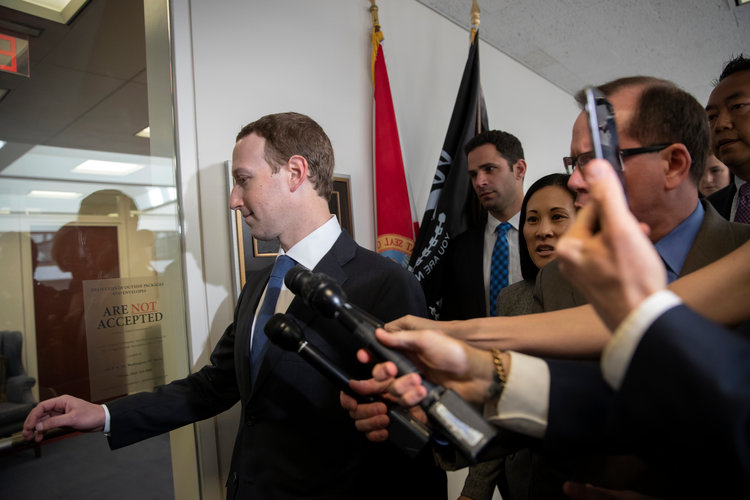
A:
(14, 54)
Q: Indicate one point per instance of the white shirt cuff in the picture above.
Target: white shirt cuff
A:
(524, 404)
(620, 349)
(106, 419)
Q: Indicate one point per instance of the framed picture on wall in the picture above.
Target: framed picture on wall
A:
(252, 255)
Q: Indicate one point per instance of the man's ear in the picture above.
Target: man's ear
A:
(519, 169)
(678, 165)
(297, 166)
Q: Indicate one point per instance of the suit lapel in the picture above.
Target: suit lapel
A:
(712, 241)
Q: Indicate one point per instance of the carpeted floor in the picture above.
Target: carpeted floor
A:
(83, 467)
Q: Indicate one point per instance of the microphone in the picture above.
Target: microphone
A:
(323, 294)
(407, 433)
(461, 423)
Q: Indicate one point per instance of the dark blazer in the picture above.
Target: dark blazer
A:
(294, 439)
(685, 397)
(463, 277)
(723, 198)
(715, 238)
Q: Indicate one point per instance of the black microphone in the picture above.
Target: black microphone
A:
(461, 423)
(323, 294)
(405, 431)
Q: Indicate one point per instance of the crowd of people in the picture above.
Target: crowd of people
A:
(598, 320)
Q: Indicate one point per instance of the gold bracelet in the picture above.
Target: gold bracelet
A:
(500, 378)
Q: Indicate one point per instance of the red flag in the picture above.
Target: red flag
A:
(394, 223)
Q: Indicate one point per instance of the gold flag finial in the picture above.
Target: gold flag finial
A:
(474, 19)
(374, 14)
(376, 38)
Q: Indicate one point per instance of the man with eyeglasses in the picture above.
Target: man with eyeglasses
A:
(728, 111)
(663, 138)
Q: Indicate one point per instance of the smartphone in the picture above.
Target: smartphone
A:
(603, 129)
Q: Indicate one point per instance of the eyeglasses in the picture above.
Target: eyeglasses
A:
(572, 163)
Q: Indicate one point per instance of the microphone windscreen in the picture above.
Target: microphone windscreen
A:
(283, 331)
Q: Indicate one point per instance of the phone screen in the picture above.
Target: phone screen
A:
(603, 129)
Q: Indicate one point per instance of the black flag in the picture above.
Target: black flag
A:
(452, 206)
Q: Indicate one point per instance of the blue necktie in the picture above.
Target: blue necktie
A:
(267, 309)
(499, 266)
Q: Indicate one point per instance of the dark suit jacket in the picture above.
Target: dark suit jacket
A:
(722, 200)
(463, 277)
(715, 238)
(684, 406)
(294, 439)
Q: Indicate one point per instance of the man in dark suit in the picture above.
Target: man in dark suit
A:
(664, 141)
(294, 440)
(496, 168)
(729, 119)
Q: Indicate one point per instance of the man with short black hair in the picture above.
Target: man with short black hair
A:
(728, 111)
(496, 168)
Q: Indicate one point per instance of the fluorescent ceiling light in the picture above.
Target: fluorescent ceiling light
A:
(56, 5)
(60, 11)
(101, 167)
(146, 132)
(62, 195)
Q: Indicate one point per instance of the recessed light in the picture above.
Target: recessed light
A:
(2, 144)
(100, 167)
(62, 195)
(146, 132)
(60, 11)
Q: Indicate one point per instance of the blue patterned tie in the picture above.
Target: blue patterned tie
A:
(267, 309)
(499, 266)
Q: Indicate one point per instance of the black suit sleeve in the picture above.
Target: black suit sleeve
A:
(201, 395)
(686, 394)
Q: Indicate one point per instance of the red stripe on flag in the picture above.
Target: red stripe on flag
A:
(395, 228)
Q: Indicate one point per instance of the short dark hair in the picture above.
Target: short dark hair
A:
(665, 114)
(289, 134)
(506, 144)
(735, 65)
(528, 268)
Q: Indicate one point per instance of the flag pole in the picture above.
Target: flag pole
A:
(475, 15)
(377, 37)
(474, 19)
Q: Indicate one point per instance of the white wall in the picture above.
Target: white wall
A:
(250, 58)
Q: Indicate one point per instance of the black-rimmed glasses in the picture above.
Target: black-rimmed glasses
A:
(572, 163)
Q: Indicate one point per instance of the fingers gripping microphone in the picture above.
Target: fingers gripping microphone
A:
(408, 434)
(461, 423)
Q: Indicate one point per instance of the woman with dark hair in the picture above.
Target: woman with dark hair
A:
(546, 213)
